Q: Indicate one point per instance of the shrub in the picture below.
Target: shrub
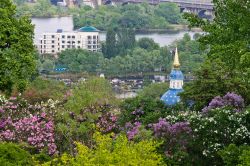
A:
(21, 122)
(108, 151)
(12, 155)
(233, 155)
(44, 89)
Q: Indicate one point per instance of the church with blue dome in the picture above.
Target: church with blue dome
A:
(176, 82)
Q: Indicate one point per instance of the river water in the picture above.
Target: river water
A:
(66, 23)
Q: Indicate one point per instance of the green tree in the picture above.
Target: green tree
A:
(213, 79)
(78, 60)
(48, 65)
(111, 44)
(17, 62)
(95, 91)
(148, 44)
(169, 11)
(226, 39)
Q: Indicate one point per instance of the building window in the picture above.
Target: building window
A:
(94, 46)
(68, 46)
(63, 41)
(62, 46)
(41, 41)
(73, 46)
(89, 47)
(68, 37)
(94, 37)
(44, 41)
(44, 36)
(44, 46)
(41, 51)
(94, 42)
(52, 41)
(53, 51)
(73, 37)
(53, 36)
(63, 36)
(53, 46)
(79, 42)
(68, 42)
(79, 47)
(89, 42)
(89, 37)
(41, 46)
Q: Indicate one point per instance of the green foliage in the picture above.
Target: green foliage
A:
(170, 12)
(213, 79)
(78, 60)
(16, 49)
(138, 16)
(153, 109)
(111, 43)
(43, 89)
(95, 91)
(244, 158)
(232, 155)
(12, 155)
(41, 8)
(226, 39)
(154, 90)
(147, 44)
(48, 65)
(113, 152)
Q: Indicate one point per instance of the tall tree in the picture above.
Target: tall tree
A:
(16, 49)
(227, 39)
(110, 46)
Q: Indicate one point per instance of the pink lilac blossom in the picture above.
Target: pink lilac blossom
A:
(37, 130)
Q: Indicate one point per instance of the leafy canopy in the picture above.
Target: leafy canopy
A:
(16, 49)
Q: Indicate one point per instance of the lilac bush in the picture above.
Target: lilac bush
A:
(175, 136)
(132, 130)
(29, 124)
(230, 99)
(107, 123)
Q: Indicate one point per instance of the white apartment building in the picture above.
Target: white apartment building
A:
(85, 38)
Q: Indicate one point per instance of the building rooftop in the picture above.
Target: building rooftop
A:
(88, 29)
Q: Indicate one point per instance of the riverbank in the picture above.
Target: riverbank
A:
(173, 28)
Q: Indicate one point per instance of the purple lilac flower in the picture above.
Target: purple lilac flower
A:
(134, 131)
(174, 134)
(230, 99)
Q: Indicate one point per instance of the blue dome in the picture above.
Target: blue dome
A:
(171, 96)
(88, 29)
(176, 75)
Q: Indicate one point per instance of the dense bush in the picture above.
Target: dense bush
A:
(12, 155)
(44, 89)
(21, 122)
(213, 131)
(109, 151)
(233, 155)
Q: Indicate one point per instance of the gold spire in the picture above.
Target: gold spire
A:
(176, 59)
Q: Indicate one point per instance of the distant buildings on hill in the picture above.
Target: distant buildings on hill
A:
(72, 3)
(86, 38)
